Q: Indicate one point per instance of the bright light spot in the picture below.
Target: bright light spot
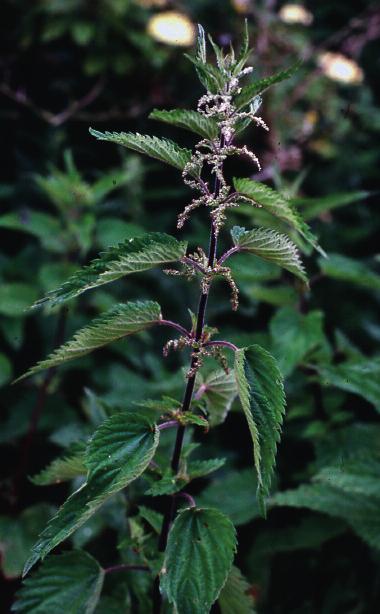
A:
(172, 28)
(296, 13)
(241, 6)
(340, 68)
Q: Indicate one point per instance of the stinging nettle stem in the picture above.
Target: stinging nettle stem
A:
(186, 403)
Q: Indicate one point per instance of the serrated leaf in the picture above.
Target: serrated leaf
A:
(276, 204)
(258, 87)
(235, 598)
(271, 246)
(261, 393)
(294, 335)
(208, 74)
(351, 271)
(191, 418)
(119, 451)
(198, 558)
(168, 484)
(121, 320)
(132, 256)
(360, 377)
(206, 127)
(234, 494)
(63, 468)
(160, 149)
(219, 391)
(70, 582)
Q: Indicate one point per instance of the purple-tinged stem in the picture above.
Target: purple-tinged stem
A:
(226, 344)
(167, 425)
(193, 263)
(178, 327)
(189, 498)
(233, 250)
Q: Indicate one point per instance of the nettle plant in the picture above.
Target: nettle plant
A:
(191, 562)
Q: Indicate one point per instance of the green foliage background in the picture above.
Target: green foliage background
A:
(69, 64)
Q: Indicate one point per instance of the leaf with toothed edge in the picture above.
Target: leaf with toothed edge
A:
(69, 582)
(161, 149)
(276, 204)
(272, 246)
(257, 87)
(63, 468)
(261, 393)
(198, 559)
(122, 320)
(119, 452)
(206, 127)
(132, 256)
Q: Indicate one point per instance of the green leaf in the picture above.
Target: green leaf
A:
(352, 271)
(261, 392)
(63, 468)
(234, 597)
(200, 468)
(294, 336)
(313, 207)
(153, 518)
(132, 256)
(208, 74)
(167, 485)
(257, 87)
(5, 370)
(15, 298)
(43, 226)
(119, 451)
(122, 320)
(206, 127)
(161, 149)
(17, 536)
(360, 512)
(198, 558)
(70, 582)
(360, 377)
(219, 391)
(271, 246)
(358, 475)
(234, 494)
(276, 204)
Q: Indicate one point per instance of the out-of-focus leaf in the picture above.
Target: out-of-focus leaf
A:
(16, 298)
(294, 336)
(312, 207)
(349, 270)
(234, 597)
(17, 536)
(234, 494)
(361, 377)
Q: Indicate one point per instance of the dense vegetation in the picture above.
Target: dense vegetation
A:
(65, 197)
